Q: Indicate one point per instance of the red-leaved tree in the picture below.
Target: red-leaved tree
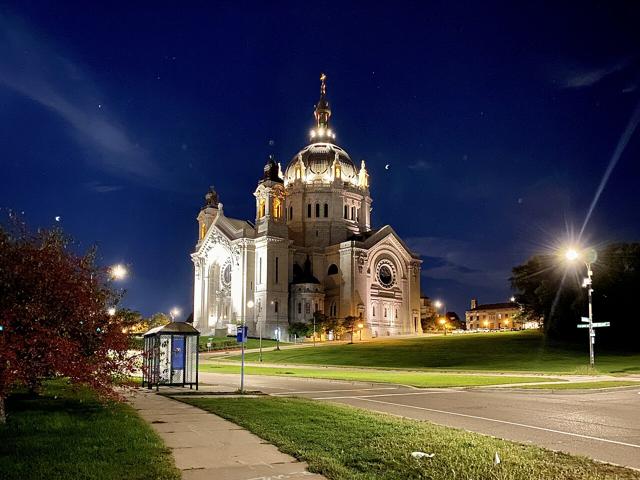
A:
(54, 315)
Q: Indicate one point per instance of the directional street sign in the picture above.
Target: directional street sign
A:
(595, 325)
(585, 319)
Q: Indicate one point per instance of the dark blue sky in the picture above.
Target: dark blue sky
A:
(498, 123)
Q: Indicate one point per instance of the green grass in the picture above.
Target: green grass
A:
(65, 434)
(584, 385)
(416, 379)
(225, 343)
(345, 443)
(498, 352)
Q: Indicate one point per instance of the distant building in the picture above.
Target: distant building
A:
(496, 316)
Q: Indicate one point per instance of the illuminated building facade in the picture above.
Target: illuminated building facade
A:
(311, 248)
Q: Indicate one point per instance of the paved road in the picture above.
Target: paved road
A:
(604, 425)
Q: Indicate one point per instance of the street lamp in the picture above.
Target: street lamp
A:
(277, 325)
(588, 257)
(118, 272)
(111, 311)
(443, 322)
(175, 311)
(360, 327)
(244, 321)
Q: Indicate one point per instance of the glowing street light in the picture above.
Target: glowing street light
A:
(571, 254)
(111, 311)
(443, 322)
(588, 257)
(118, 272)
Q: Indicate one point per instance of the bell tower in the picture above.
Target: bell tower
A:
(271, 277)
(270, 202)
(208, 212)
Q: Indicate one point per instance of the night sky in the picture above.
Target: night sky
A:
(498, 124)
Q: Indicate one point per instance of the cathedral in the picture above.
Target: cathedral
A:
(311, 248)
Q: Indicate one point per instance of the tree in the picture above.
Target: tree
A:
(300, 329)
(429, 316)
(454, 321)
(53, 309)
(320, 320)
(349, 324)
(158, 320)
(550, 288)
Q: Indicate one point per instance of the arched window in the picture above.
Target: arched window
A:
(277, 208)
(317, 210)
(299, 307)
(261, 207)
(308, 210)
(385, 313)
(203, 230)
(346, 210)
(326, 210)
(374, 311)
(290, 213)
(333, 269)
(275, 306)
(353, 213)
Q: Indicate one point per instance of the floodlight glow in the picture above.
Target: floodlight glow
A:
(250, 304)
(175, 311)
(111, 311)
(437, 304)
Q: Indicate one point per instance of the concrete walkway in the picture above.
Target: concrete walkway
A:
(206, 446)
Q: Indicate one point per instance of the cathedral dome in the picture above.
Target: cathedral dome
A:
(318, 158)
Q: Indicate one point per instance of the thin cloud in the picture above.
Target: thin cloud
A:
(98, 187)
(450, 259)
(420, 165)
(581, 77)
(36, 69)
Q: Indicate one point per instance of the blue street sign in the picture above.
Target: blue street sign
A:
(242, 338)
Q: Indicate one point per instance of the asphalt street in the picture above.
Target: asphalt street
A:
(604, 425)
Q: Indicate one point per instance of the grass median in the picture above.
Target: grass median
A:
(496, 352)
(343, 443)
(413, 378)
(583, 385)
(65, 434)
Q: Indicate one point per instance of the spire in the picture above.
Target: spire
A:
(322, 112)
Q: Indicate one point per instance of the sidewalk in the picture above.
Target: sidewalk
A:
(206, 446)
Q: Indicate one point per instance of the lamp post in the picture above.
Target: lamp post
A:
(244, 322)
(443, 322)
(571, 255)
(360, 326)
(277, 325)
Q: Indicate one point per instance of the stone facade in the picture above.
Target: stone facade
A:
(311, 248)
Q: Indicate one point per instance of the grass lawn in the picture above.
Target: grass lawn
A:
(68, 435)
(414, 378)
(347, 443)
(498, 352)
(223, 343)
(584, 385)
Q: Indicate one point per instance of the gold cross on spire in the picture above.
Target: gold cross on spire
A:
(323, 85)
